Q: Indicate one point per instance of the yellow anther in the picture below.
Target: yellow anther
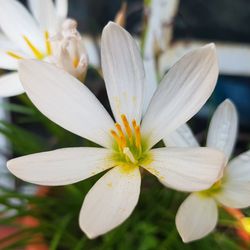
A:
(126, 125)
(14, 55)
(35, 51)
(75, 62)
(47, 43)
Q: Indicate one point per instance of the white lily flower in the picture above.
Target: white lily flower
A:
(128, 142)
(198, 215)
(26, 36)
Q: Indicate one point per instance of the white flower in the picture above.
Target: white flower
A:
(128, 142)
(25, 36)
(68, 50)
(198, 214)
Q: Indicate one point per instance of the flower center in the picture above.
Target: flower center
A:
(128, 145)
(37, 53)
(215, 188)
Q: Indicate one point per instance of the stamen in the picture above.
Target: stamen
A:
(75, 62)
(14, 55)
(127, 127)
(123, 141)
(35, 51)
(128, 153)
(121, 134)
(47, 43)
(120, 140)
(114, 134)
(137, 134)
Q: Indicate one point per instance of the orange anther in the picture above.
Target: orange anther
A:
(134, 123)
(137, 134)
(114, 134)
(126, 125)
(123, 142)
(119, 128)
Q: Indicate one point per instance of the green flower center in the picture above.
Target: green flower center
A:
(214, 189)
(129, 148)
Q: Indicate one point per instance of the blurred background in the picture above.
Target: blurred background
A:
(46, 218)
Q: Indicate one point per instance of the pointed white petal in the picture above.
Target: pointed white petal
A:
(223, 128)
(196, 217)
(66, 101)
(6, 44)
(151, 82)
(44, 12)
(123, 72)
(10, 85)
(61, 8)
(110, 201)
(235, 191)
(62, 166)
(181, 137)
(16, 22)
(186, 169)
(181, 93)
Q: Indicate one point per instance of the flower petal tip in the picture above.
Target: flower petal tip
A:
(110, 25)
(89, 235)
(210, 46)
(228, 103)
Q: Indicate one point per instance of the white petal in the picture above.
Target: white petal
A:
(61, 8)
(186, 169)
(196, 217)
(223, 128)
(62, 166)
(10, 85)
(236, 183)
(66, 101)
(151, 81)
(6, 44)
(181, 93)
(123, 72)
(44, 12)
(110, 201)
(17, 22)
(181, 137)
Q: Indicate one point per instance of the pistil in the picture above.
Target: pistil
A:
(128, 153)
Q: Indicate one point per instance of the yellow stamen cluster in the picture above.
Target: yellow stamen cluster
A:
(127, 139)
(37, 53)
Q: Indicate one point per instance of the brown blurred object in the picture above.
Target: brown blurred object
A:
(120, 17)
